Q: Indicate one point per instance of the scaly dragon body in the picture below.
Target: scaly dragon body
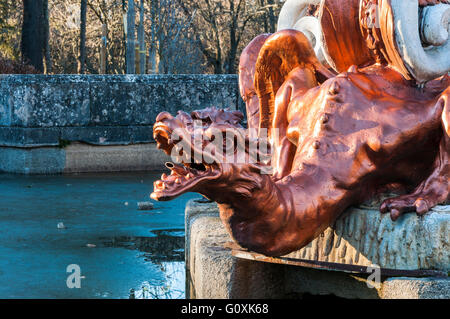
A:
(337, 140)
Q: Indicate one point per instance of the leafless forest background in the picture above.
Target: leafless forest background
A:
(126, 36)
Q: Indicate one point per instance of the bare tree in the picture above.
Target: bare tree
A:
(152, 63)
(109, 33)
(223, 27)
(181, 36)
(269, 19)
(46, 33)
(82, 60)
(11, 15)
(131, 36)
(171, 37)
(33, 39)
(141, 39)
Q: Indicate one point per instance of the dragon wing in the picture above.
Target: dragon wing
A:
(282, 52)
(247, 65)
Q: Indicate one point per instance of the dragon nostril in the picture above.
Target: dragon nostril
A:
(178, 169)
(169, 165)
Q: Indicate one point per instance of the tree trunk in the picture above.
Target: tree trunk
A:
(33, 39)
(82, 58)
(131, 36)
(141, 39)
(152, 63)
(272, 18)
(124, 11)
(46, 34)
(103, 50)
(233, 42)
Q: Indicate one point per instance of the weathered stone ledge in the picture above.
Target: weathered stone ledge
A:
(40, 110)
(82, 158)
(95, 123)
(411, 243)
(56, 136)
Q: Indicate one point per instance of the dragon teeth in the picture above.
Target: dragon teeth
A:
(164, 176)
(178, 181)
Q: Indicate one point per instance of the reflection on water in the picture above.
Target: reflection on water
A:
(171, 288)
(166, 250)
(120, 250)
(165, 245)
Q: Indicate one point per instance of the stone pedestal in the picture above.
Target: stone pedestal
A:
(361, 237)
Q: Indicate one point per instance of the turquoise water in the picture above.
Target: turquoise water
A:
(116, 246)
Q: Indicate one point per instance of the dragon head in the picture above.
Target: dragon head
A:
(211, 153)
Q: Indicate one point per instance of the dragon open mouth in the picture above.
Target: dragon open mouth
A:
(183, 178)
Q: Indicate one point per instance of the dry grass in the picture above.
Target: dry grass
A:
(8, 66)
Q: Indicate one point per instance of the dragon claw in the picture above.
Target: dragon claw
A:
(397, 206)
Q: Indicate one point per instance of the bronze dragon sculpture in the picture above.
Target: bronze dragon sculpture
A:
(363, 122)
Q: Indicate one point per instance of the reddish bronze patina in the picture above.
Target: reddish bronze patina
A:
(342, 139)
(247, 65)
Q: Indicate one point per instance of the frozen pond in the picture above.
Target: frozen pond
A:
(116, 246)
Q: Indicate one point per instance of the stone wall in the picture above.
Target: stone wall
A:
(39, 111)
